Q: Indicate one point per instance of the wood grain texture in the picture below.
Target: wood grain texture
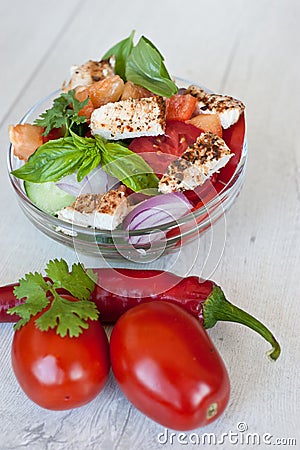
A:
(246, 49)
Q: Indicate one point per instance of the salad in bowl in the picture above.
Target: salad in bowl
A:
(125, 153)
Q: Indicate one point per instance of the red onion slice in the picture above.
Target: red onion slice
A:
(154, 212)
(96, 182)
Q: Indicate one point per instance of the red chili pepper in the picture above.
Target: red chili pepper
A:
(8, 300)
(119, 290)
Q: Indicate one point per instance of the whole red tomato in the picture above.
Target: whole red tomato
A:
(60, 372)
(167, 366)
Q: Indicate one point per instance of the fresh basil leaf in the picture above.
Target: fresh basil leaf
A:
(121, 51)
(145, 67)
(128, 167)
(51, 161)
(93, 156)
(153, 46)
(82, 143)
(58, 158)
(164, 71)
(89, 164)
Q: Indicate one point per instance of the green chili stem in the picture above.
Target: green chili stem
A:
(217, 308)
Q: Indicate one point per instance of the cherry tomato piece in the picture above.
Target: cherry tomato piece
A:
(55, 133)
(180, 107)
(166, 365)
(57, 372)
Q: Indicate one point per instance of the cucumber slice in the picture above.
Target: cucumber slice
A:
(47, 196)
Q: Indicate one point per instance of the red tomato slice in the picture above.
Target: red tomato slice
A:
(55, 133)
(160, 151)
(180, 107)
(234, 138)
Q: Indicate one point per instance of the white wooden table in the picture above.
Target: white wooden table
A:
(246, 49)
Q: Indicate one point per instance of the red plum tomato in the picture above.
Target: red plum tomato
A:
(57, 372)
(167, 366)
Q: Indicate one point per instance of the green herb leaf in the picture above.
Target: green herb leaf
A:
(145, 67)
(58, 158)
(77, 106)
(127, 166)
(67, 316)
(92, 156)
(78, 282)
(121, 51)
(61, 157)
(34, 289)
(82, 143)
(64, 113)
(52, 161)
(88, 165)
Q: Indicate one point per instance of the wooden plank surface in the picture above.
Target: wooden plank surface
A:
(246, 49)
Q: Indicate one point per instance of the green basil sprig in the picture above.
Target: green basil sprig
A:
(142, 64)
(145, 67)
(128, 167)
(58, 158)
(121, 51)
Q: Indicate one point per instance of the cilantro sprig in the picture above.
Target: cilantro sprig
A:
(68, 317)
(63, 113)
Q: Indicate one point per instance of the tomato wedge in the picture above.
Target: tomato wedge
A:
(160, 151)
(180, 107)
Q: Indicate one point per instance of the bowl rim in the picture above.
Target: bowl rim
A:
(78, 229)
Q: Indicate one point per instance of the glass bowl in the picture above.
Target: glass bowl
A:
(216, 200)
